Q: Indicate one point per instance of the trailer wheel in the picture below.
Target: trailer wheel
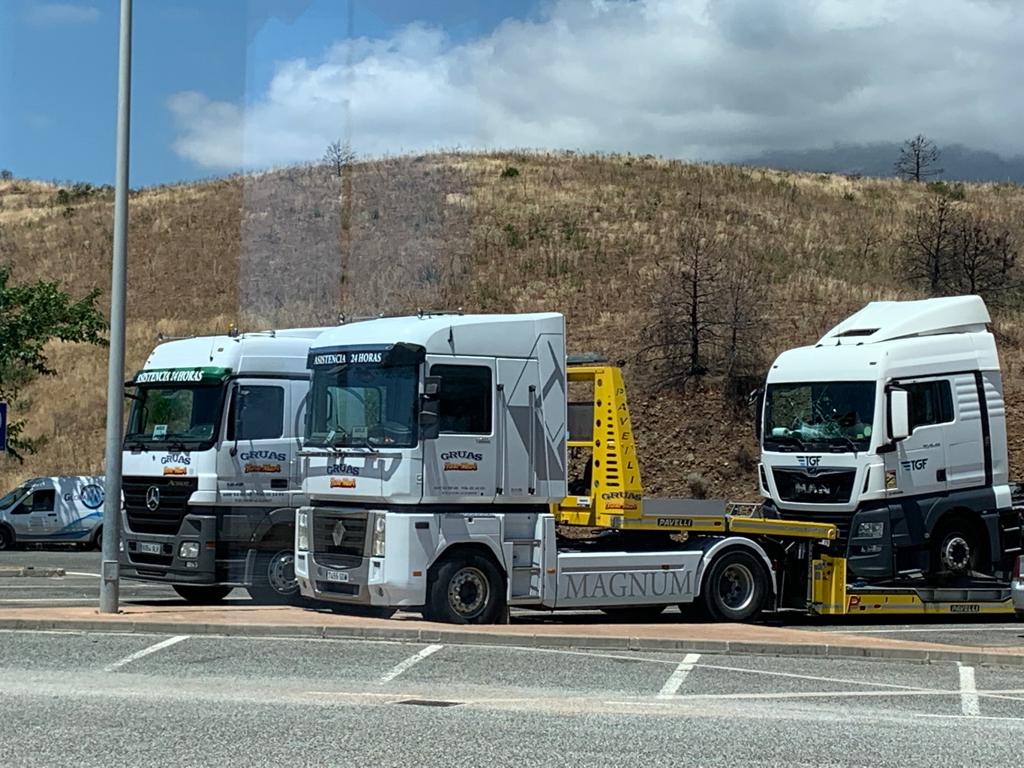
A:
(735, 587)
(465, 588)
(6, 538)
(634, 612)
(274, 580)
(202, 595)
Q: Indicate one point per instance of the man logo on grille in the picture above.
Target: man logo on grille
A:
(338, 534)
(153, 498)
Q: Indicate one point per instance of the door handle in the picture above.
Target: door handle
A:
(940, 475)
(51, 514)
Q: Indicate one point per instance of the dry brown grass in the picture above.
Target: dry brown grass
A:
(582, 234)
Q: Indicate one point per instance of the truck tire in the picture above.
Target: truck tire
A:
(97, 539)
(634, 612)
(274, 581)
(735, 587)
(466, 588)
(957, 548)
(202, 595)
(6, 538)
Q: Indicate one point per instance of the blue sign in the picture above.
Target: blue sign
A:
(3, 427)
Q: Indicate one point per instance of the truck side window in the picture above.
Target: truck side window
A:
(262, 410)
(43, 501)
(465, 398)
(931, 402)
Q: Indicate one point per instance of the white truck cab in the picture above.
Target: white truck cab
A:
(211, 476)
(427, 414)
(53, 510)
(893, 428)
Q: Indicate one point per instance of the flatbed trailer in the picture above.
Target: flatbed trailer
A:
(808, 567)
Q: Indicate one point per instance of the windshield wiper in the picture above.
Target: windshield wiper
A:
(134, 445)
(843, 440)
(786, 440)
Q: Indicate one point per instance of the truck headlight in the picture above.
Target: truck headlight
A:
(189, 550)
(302, 531)
(870, 530)
(377, 542)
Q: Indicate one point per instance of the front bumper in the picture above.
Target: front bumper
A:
(155, 557)
(339, 584)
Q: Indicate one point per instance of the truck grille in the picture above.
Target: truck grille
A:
(166, 518)
(826, 486)
(339, 538)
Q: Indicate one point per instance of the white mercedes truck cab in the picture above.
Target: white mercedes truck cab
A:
(893, 428)
(210, 468)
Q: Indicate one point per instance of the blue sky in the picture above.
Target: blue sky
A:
(58, 83)
(224, 85)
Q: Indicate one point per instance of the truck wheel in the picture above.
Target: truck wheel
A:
(274, 581)
(956, 548)
(735, 587)
(97, 539)
(6, 539)
(635, 612)
(466, 589)
(201, 595)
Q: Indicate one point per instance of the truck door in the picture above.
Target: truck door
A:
(521, 430)
(462, 463)
(260, 470)
(918, 465)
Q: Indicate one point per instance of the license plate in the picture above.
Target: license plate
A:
(340, 576)
(151, 548)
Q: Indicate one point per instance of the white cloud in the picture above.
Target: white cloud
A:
(61, 13)
(709, 79)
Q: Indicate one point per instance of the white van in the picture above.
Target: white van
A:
(53, 510)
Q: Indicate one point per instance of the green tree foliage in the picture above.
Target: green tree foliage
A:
(31, 316)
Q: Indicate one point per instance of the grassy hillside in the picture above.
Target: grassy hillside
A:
(591, 236)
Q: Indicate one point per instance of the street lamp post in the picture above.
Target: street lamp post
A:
(109, 585)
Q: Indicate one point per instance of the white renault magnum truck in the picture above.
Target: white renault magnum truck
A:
(893, 428)
(211, 475)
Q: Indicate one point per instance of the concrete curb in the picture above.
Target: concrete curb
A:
(29, 570)
(582, 642)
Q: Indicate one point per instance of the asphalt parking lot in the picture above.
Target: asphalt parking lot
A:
(98, 699)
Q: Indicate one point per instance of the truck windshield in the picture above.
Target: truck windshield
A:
(169, 416)
(363, 405)
(831, 415)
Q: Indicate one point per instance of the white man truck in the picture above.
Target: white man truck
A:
(211, 476)
(436, 459)
(893, 428)
(437, 467)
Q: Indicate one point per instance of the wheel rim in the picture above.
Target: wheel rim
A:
(736, 587)
(281, 573)
(468, 592)
(956, 553)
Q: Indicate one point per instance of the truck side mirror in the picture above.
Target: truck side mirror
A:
(430, 418)
(899, 414)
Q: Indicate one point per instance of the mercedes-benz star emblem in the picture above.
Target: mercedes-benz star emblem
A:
(153, 498)
(338, 534)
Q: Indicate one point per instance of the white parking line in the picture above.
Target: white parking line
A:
(416, 658)
(145, 652)
(676, 679)
(969, 703)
